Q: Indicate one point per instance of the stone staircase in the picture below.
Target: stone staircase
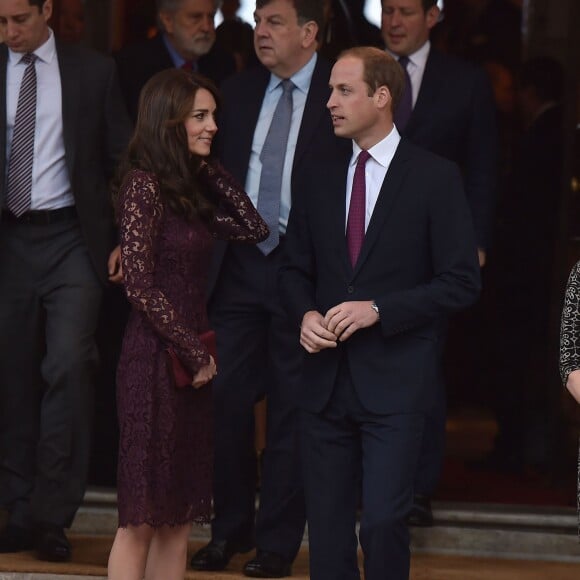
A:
(475, 530)
(462, 529)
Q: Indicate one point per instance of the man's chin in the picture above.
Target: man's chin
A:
(200, 50)
(266, 59)
(341, 132)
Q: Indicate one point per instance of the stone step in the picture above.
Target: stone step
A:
(501, 531)
(504, 531)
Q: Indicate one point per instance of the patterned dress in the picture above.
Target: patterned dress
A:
(570, 342)
(165, 451)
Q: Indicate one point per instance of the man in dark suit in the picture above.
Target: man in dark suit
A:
(62, 127)
(370, 305)
(258, 348)
(186, 39)
(452, 114)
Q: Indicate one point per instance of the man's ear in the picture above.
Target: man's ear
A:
(167, 21)
(432, 16)
(47, 10)
(309, 32)
(382, 97)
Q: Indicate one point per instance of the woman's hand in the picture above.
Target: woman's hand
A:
(205, 374)
(573, 384)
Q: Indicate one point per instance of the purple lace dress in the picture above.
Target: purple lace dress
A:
(165, 451)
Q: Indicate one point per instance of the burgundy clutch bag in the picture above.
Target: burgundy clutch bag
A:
(177, 371)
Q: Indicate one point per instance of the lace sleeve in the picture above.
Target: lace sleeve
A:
(141, 211)
(236, 217)
(570, 327)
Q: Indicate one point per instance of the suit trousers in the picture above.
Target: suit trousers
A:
(49, 303)
(346, 446)
(432, 453)
(258, 354)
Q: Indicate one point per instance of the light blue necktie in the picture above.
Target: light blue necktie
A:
(272, 158)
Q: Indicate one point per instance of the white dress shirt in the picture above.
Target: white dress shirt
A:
(376, 169)
(51, 188)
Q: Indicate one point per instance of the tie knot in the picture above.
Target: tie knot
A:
(404, 61)
(28, 58)
(363, 157)
(287, 86)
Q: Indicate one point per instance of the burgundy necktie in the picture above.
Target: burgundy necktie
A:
(355, 225)
(405, 106)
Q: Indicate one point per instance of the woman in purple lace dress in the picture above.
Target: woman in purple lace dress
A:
(570, 349)
(171, 204)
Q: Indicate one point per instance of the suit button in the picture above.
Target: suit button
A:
(350, 289)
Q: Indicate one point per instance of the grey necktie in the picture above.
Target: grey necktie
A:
(272, 158)
(22, 148)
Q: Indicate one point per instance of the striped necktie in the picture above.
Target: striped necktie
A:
(22, 148)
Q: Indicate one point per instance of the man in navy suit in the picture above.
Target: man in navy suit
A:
(186, 39)
(258, 348)
(53, 268)
(370, 304)
(453, 115)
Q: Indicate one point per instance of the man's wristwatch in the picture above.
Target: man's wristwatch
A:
(376, 309)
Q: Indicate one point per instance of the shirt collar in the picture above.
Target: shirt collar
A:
(419, 57)
(178, 60)
(301, 79)
(382, 152)
(45, 52)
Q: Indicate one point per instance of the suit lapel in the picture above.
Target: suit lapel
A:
(314, 108)
(70, 75)
(159, 58)
(3, 66)
(247, 120)
(390, 189)
(430, 87)
(252, 108)
(333, 179)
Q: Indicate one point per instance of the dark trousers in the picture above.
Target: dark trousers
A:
(346, 446)
(49, 302)
(432, 452)
(258, 354)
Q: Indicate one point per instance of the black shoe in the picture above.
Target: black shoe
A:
(421, 514)
(216, 555)
(52, 545)
(267, 565)
(15, 539)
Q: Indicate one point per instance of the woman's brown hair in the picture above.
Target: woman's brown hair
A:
(159, 143)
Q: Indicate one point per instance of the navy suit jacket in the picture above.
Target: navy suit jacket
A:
(139, 62)
(96, 131)
(418, 262)
(455, 117)
(242, 101)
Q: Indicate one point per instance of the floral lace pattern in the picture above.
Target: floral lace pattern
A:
(570, 342)
(165, 451)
